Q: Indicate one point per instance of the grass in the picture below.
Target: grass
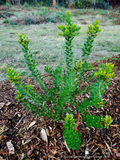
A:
(47, 45)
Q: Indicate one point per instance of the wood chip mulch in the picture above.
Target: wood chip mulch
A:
(23, 129)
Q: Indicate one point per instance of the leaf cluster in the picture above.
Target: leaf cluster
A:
(69, 31)
(71, 136)
(106, 121)
(91, 34)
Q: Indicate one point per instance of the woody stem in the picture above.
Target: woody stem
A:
(76, 126)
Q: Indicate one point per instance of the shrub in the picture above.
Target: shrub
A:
(84, 4)
(52, 103)
(2, 2)
(8, 5)
(58, 16)
(37, 5)
(43, 11)
(13, 23)
(4, 15)
(3, 68)
(26, 5)
(6, 21)
(28, 20)
(51, 18)
(102, 4)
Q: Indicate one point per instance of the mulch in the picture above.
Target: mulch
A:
(23, 129)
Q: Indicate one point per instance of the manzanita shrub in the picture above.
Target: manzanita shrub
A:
(52, 103)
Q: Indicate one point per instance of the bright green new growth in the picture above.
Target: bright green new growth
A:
(71, 136)
(52, 103)
(69, 32)
(105, 72)
(91, 34)
(106, 121)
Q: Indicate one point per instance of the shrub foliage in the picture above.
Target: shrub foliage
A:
(52, 103)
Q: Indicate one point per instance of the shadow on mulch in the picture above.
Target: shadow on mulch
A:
(22, 128)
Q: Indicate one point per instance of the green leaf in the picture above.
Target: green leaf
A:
(92, 121)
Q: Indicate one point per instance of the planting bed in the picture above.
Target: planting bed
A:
(23, 128)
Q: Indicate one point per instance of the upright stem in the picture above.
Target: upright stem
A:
(77, 122)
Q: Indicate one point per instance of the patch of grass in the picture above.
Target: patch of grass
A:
(50, 11)
(33, 13)
(22, 73)
(3, 68)
(74, 14)
(114, 59)
(13, 23)
(102, 13)
(117, 49)
(90, 10)
(16, 15)
(102, 58)
(110, 18)
(117, 13)
(4, 15)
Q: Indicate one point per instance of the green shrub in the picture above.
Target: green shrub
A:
(37, 5)
(101, 4)
(13, 23)
(50, 11)
(52, 103)
(43, 11)
(8, 5)
(26, 5)
(84, 4)
(51, 18)
(6, 21)
(33, 13)
(57, 7)
(60, 15)
(28, 21)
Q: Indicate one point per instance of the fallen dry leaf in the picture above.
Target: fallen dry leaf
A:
(31, 124)
(2, 105)
(44, 135)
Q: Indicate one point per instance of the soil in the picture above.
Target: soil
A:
(23, 129)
